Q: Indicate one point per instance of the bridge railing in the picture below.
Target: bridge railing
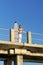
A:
(27, 37)
(12, 36)
(4, 34)
(9, 35)
(37, 38)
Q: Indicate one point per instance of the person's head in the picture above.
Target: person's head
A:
(20, 26)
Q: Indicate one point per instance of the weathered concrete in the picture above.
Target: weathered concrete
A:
(12, 35)
(7, 62)
(29, 38)
(18, 60)
(20, 52)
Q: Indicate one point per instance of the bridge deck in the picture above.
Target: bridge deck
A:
(30, 52)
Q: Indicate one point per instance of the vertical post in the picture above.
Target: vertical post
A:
(12, 35)
(29, 39)
(7, 62)
(18, 60)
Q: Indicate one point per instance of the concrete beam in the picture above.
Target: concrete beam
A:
(21, 51)
(18, 60)
(3, 52)
(7, 62)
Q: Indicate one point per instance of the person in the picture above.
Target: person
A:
(20, 31)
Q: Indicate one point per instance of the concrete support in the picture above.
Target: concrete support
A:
(12, 35)
(7, 62)
(20, 51)
(18, 60)
(29, 39)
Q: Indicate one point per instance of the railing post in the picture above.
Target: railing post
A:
(29, 39)
(12, 35)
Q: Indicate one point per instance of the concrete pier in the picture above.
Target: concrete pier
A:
(18, 60)
(7, 62)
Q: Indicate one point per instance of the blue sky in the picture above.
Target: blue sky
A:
(29, 13)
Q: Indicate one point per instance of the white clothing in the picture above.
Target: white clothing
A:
(20, 37)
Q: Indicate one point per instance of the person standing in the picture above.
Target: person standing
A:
(20, 31)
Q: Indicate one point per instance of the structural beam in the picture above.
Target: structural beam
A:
(7, 62)
(18, 60)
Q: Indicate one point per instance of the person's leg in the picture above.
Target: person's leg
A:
(20, 38)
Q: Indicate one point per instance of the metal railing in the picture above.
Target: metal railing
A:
(4, 34)
(37, 38)
(24, 35)
(29, 37)
(7, 35)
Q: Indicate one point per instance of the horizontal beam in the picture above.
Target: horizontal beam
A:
(26, 58)
(30, 47)
(30, 52)
(21, 44)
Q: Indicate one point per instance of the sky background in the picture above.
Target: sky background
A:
(28, 13)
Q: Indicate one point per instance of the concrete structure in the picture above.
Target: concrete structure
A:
(19, 52)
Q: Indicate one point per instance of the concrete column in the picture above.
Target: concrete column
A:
(29, 39)
(12, 35)
(7, 62)
(18, 60)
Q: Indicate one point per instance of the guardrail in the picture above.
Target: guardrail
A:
(37, 38)
(27, 37)
(12, 36)
(4, 34)
(8, 35)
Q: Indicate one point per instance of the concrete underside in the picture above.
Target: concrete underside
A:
(26, 58)
(30, 52)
